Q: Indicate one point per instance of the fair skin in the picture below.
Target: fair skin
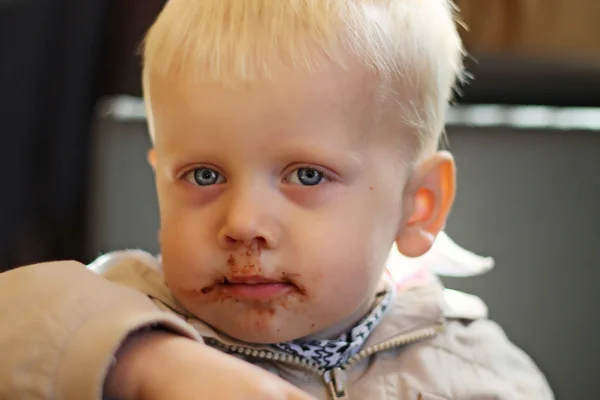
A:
(279, 204)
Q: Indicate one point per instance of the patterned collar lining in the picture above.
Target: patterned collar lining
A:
(335, 352)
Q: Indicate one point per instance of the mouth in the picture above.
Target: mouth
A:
(256, 288)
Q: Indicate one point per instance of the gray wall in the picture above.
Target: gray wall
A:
(530, 199)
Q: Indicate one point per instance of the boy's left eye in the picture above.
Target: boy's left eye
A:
(204, 176)
(306, 177)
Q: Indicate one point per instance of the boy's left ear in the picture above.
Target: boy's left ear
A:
(427, 201)
(152, 158)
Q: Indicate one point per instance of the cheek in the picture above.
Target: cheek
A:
(345, 257)
(352, 233)
(183, 225)
(184, 246)
(350, 246)
(343, 289)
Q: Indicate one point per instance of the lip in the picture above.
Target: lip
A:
(256, 291)
(252, 288)
(250, 280)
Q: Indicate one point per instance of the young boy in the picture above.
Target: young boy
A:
(294, 145)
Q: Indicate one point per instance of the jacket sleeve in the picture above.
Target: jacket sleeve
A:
(61, 326)
(493, 366)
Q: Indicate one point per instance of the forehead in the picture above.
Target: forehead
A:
(298, 97)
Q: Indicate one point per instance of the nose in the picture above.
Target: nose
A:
(249, 220)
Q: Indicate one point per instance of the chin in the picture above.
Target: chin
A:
(260, 338)
(262, 332)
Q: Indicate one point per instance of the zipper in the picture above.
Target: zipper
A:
(294, 361)
(334, 378)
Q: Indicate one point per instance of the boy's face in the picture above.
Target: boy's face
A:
(279, 204)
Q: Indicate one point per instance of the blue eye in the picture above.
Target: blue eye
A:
(204, 177)
(306, 176)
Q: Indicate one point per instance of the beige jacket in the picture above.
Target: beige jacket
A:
(61, 326)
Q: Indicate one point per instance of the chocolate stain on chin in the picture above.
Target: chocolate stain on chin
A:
(269, 311)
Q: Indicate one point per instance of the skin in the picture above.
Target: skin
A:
(252, 213)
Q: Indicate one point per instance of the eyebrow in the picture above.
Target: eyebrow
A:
(322, 151)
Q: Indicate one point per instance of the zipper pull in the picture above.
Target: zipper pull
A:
(336, 383)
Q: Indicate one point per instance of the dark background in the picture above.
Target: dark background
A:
(75, 183)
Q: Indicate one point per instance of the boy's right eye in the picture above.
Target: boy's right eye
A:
(204, 177)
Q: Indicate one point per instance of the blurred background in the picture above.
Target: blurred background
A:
(525, 133)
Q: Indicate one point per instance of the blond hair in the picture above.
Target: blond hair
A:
(410, 44)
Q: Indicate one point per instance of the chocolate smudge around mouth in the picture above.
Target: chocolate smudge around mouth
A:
(290, 277)
(208, 289)
(286, 277)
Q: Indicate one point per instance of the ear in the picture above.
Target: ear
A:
(152, 158)
(427, 201)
